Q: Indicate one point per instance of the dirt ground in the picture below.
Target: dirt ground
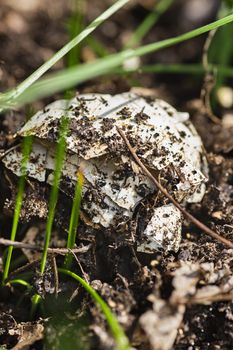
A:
(163, 301)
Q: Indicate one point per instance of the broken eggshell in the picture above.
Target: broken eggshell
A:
(163, 138)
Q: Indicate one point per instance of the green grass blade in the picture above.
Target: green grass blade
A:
(121, 340)
(148, 23)
(76, 75)
(21, 282)
(183, 37)
(60, 155)
(59, 158)
(74, 219)
(65, 49)
(75, 26)
(26, 150)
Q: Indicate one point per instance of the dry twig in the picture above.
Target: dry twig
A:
(211, 299)
(61, 251)
(189, 216)
(209, 79)
(85, 275)
(56, 278)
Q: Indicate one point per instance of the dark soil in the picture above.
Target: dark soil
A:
(188, 293)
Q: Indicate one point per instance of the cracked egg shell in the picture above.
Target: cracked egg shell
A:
(163, 138)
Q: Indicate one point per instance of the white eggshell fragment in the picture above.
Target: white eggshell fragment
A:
(163, 230)
(35, 166)
(164, 139)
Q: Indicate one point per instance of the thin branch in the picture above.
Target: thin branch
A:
(203, 300)
(205, 60)
(55, 272)
(61, 251)
(189, 216)
(209, 79)
(21, 269)
(213, 299)
(85, 275)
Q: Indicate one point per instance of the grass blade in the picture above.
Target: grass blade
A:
(76, 75)
(21, 282)
(75, 26)
(26, 150)
(59, 158)
(74, 219)
(60, 155)
(117, 332)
